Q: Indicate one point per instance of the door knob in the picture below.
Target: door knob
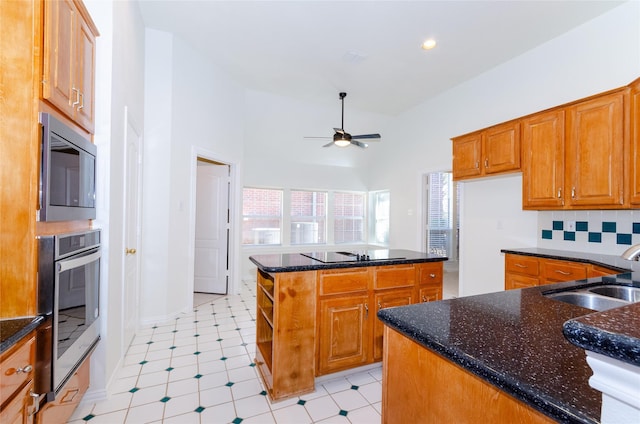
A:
(130, 251)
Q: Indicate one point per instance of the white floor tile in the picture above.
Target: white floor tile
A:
(208, 381)
(349, 400)
(116, 402)
(322, 408)
(337, 385)
(180, 405)
(145, 413)
(245, 389)
(365, 415)
(223, 413)
(338, 419)
(372, 392)
(215, 396)
(153, 379)
(155, 366)
(251, 406)
(189, 418)
(185, 372)
(260, 419)
(242, 374)
(148, 395)
(361, 378)
(294, 414)
(183, 387)
(123, 384)
(117, 417)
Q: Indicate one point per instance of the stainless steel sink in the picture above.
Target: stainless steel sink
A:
(598, 298)
(588, 300)
(630, 294)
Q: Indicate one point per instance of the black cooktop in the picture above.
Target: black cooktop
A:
(353, 256)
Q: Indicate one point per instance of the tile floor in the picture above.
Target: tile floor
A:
(199, 368)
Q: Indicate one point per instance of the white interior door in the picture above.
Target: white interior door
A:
(131, 280)
(212, 226)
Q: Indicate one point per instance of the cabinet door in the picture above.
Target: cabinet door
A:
(467, 154)
(59, 55)
(543, 160)
(430, 293)
(502, 148)
(594, 160)
(634, 173)
(21, 409)
(518, 281)
(344, 333)
(84, 75)
(383, 300)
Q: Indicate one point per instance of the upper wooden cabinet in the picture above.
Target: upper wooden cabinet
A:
(491, 151)
(543, 160)
(594, 157)
(634, 168)
(69, 60)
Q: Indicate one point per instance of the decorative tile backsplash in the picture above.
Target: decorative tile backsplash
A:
(607, 232)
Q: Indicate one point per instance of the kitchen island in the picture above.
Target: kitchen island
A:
(316, 312)
(512, 356)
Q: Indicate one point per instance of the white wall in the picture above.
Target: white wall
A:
(189, 106)
(119, 84)
(597, 56)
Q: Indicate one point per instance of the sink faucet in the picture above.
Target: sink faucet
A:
(632, 253)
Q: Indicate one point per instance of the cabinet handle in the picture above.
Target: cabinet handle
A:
(477, 164)
(563, 272)
(77, 97)
(424, 298)
(520, 265)
(35, 405)
(486, 162)
(573, 192)
(81, 100)
(366, 310)
(379, 306)
(26, 369)
(432, 275)
(559, 193)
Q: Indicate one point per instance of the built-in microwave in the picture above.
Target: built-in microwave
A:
(67, 173)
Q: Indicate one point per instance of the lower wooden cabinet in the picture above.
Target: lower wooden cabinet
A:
(21, 409)
(522, 271)
(17, 405)
(344, 329)
(67, 400)
(388, 299)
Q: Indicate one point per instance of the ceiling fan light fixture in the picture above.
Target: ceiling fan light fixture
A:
(341, 140)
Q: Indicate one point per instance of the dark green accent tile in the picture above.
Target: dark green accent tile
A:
(169, 369)
(595, 237)
(636, 228)
(302, 402)
(197, 353)
(569, 236)
(172, 347)
(623, 239)
(229, 384)
(253, 364)
(263, 393)
(224, 358)
(582, 226)
(196, 335)
(547, 234)
(174, 331)
(197, 376)
(218, 340)
(88, 417)
(608, 227)
(150, 342)
(354, 387)
(343, 412)
(143, 362)
(237, 420)
(558, 225)
(165, 399)
(199, 409)
(135, 389)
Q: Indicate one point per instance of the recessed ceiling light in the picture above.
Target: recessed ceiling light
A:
(429, 44)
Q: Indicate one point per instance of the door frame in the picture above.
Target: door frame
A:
(233, 285)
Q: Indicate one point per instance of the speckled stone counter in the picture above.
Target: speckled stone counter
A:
(13, 330)
(516, 340)
(294, 262)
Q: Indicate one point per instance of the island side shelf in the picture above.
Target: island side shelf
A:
(285, 332)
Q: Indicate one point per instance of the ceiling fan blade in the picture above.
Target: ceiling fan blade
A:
(359, 144)
(368, 136)
(328, 144)
(339, 130)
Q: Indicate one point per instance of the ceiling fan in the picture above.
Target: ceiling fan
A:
(341, 138)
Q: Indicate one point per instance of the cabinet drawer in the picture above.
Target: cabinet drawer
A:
(429, 273)
(346, 280)
(520, 264)
(556, 271)
(12, 369)
(68, 398)
(394, 276)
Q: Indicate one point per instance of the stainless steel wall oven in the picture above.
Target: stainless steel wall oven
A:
(68, 294)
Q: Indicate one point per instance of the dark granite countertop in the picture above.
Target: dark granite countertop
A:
(295, 262)
(12, 330)
(516, 339)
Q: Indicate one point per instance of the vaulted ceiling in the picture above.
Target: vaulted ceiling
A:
(312, 50)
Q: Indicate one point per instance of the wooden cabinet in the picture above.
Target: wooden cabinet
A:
(388, 299)
(634, 166)
(543, 160)
(67, 400)
(285, 332)
(492, 151)
(17, 402)
(69, 60)
(573, 157)
(522, 271)
(420, 386)
(594, 160)
(429, 282)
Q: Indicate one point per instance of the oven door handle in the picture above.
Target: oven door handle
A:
(77, 262)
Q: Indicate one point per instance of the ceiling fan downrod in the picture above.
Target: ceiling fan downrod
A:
(342, 96)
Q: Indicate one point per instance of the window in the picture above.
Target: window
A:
(261, 216)
(308, 217)
(380, 204)
(348, 214)
(442, 215)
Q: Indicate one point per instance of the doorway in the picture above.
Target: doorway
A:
(441, 229)
(212, 227)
